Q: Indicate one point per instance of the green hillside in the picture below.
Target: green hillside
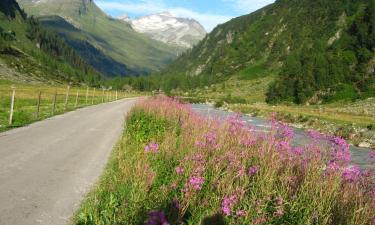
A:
(30, 53)
(322, 50)
(129, 51)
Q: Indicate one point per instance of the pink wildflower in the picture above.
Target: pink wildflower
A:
(253, 170)
(179, 170)
(352, 174)
(157, 218)
(228, 204)
(196, 183)
(241, 213)
(152, 147)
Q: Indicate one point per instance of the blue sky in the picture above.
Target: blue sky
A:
(208, 12)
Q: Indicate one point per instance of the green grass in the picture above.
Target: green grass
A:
(26, 99)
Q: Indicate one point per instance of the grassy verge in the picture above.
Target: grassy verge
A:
(174, 167)
(26, 101)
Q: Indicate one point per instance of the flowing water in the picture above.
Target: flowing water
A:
(359, 155)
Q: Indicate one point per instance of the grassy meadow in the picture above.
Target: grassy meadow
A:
(27, 96)
(173, 166)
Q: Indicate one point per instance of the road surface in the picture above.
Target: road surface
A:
(48, 167)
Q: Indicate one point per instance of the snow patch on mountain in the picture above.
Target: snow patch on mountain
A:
(169, 29)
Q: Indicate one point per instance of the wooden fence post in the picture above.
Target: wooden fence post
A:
(66, 98)
(77, 96)
(12, 105)
(54, 103)
(93, 96)
(87, 94)
(38, 105)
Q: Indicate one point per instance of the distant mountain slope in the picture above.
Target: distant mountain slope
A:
(271, 37)
(112, 37)
(169, 29)
(30, 53)
(78, 39)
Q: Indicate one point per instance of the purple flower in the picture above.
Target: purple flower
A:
(341, 143)
(332, 166)
(371, 156)
(157, 218)
(253, 170)
(297, 151)
(179, 170)
(196, 183)
(241, 213)
(228, 203)
(152, 147)
(175, 204)
(210, 138)
(241, 171)
(352, 174)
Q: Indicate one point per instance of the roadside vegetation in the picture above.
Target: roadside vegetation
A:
(27, 98)
(173, 166)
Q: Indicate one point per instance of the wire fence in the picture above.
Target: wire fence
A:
(23, 105)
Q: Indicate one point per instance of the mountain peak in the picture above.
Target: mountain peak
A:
(165, 13)
(170, 29)
(124, 17)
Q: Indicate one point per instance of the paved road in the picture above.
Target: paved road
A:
(46, 168)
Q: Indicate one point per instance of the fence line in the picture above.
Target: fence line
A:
(23, 105)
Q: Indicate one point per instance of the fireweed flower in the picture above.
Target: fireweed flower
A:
(352, 174)
(157, 218)
(371, 156)
(152, 147)
(241, 171)
(253, 170)
(179, 170)
(196, 183)
(241, 213)
(228, 204)
(258, 221)
(175, 204)
(279, 212)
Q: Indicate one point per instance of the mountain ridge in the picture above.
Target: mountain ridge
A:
(30, 53)
(267, 39)
(115, 39)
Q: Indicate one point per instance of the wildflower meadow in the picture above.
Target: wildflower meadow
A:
(174, 166)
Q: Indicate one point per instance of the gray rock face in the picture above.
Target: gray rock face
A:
(169, 29)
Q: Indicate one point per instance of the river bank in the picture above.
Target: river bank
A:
(356, 129)
(353, 121)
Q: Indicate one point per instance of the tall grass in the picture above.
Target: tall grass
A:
(175, 167)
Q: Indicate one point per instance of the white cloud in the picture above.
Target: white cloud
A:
(144, 7)
(247, 6)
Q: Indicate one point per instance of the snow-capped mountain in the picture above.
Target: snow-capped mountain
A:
(169, 29)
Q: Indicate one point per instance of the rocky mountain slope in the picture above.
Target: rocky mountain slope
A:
(30, 53)
(321, 49)
(128, 51)
(169, 29)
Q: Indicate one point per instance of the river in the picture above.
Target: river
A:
(359, 155)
